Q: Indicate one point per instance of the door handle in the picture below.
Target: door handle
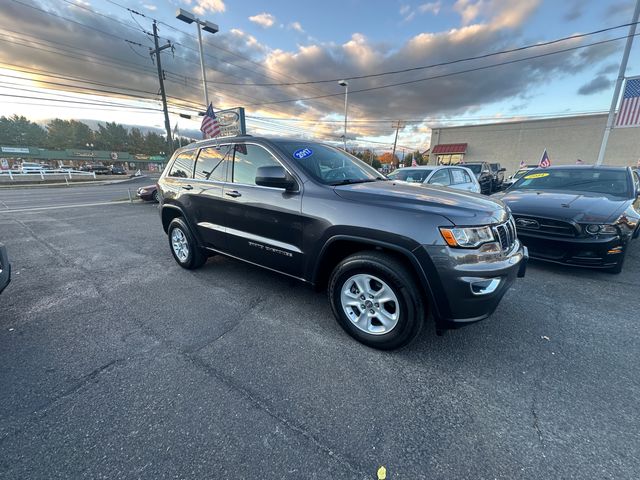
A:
(187, 187)
(233, 193)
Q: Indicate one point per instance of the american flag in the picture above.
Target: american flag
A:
(210, 126)
(629, 113)
(545, 161)
(523, 164)
(414, 163)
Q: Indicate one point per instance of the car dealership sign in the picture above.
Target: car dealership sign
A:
(231, 122)
(14, 150)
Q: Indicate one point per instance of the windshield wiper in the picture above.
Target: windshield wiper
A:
(349, 181)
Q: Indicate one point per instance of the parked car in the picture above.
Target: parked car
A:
(66, 168)
(387, 252)
(577, 215)
(149, 193)
(457, 177)
(498, 176)
(100, 170)
(519, 173)
(5, 268)
(482, 171)
(31, 167)
(118, 170)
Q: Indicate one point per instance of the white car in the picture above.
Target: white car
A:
(452, 176)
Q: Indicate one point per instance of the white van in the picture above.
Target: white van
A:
(31, 167)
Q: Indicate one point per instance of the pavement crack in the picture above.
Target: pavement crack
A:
(259, 403)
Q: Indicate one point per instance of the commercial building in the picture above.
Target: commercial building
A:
(10, 156)
(566, 140)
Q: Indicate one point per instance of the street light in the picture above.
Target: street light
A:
(345, 84)
(207, 26)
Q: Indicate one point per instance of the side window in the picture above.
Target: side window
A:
(467, 178)
(485, 168)
(458, 176)
(441, 177)
(246, 161)
(212, 163)
(182, 166)
(636, 180)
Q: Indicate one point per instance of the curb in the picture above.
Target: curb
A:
(72, 184)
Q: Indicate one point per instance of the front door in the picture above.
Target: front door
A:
(263, 224)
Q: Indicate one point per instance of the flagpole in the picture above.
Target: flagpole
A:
(616, 91)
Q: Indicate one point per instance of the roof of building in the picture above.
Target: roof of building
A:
(445, 148)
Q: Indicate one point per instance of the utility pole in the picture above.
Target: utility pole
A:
(397, 125)
(163, 94)
(616, 90)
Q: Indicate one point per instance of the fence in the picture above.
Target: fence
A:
(43, 174)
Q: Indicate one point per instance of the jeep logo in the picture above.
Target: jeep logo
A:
(528, 223)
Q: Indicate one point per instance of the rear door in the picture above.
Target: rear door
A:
(263, 224)
(210, 175)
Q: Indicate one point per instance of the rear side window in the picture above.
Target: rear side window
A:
(213, 163)
(459, 176)
(182, 166)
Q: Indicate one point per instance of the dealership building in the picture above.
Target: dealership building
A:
(509, 143)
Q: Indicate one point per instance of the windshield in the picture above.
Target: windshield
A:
(475, 168)
(591, 180)
(413, 175)
(520, 173)
(329, 165)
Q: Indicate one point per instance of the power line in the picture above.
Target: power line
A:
(441, 64)
(451, 74)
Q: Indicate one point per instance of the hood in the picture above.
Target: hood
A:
(569, 206)
(461, 208)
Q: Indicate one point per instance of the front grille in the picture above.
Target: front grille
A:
(505, 234)
(556, 228)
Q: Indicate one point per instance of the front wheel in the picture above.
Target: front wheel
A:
(375, 300)
(184, 248)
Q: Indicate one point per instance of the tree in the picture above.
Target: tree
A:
(68, 134)
(154, 144)
(375, 163)
(18, 131)
(136, 141)
(408, 159)
(419, 158)
(112, 136)
(389, 158)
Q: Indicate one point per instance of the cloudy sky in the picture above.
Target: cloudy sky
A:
(89, 59)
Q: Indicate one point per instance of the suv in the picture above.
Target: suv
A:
(482, 171)
(389, 253)
(498, 176)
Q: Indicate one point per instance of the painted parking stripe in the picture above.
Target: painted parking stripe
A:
(58, 207)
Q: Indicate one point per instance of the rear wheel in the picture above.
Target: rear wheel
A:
(375, 300)
(155, 197)
(184, 248)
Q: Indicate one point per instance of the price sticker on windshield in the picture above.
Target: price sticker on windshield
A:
(536, 175)
(303, 153)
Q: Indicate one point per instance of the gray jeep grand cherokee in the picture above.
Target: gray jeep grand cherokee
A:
(388, 253)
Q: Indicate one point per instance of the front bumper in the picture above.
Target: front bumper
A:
(467, 285)
(594, 252)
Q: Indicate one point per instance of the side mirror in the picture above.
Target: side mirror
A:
(276, 177)
(502, 170)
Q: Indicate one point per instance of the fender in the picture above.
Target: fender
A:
(406, 253)
(194, 231)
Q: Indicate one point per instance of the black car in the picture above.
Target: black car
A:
(118, 170)
(498, 176)
(320, 215)
(577, 215)
(482, 171)
(5, 268)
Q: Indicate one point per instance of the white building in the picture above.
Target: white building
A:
(566, 140)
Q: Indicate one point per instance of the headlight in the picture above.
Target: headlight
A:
(469, 237)
(595, 229)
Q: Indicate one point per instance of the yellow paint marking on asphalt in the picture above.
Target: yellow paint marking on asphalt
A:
(382, 473)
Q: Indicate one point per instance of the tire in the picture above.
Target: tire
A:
(155, 197)
(186, 252)
(373, 270)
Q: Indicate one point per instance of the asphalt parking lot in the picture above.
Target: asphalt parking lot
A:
(117, 363)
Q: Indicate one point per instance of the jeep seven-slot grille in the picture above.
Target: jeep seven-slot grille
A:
(505, 234)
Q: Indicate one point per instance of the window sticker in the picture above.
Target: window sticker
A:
(536, 175)
(303, 153)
